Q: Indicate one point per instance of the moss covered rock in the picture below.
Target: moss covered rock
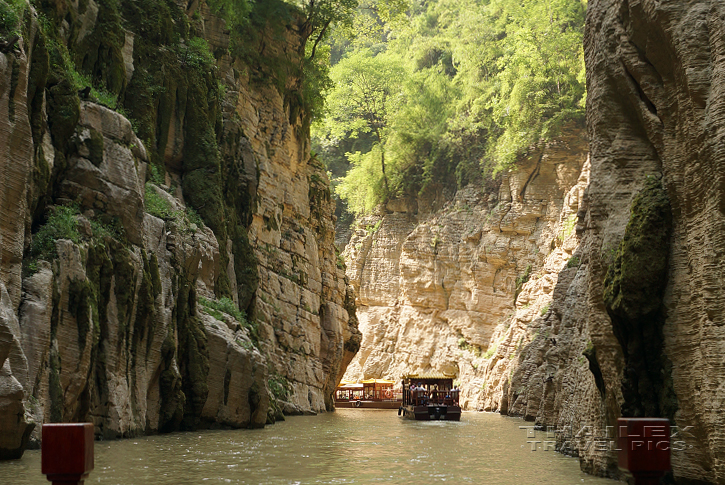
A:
(64, 109)
(633, 292)
(634, 283)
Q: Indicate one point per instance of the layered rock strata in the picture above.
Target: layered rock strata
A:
(656, 311)
(623, 316)
(642, 311)
(168, 273)
(435, 290)
(307, 323)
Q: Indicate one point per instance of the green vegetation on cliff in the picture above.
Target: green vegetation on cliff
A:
(11, 11)
(61, 224)
(428, 98)
(633, 294)
(174, 72)
(80, 54)
(216, 308)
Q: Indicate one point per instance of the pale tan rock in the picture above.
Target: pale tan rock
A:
(127, 53)
(209, 262)
(14, 437)
(73, 348)
(433, 288)
(127, 342)
(35, 320)
(130, 396)
(114, 183)
(16, 152)
(87, 21)
(300, 304)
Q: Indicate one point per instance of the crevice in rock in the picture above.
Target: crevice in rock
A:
(591, 354)
(532, 176)
(227, 380)
(638, 88)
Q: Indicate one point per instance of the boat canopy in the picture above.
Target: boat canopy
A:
(432, 375)
(377, 381)
(349, 385)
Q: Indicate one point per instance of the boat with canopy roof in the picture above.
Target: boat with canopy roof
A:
(430, 397)
(370, 393)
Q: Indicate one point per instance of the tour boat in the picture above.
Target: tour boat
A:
(370, 394)
(430, 397)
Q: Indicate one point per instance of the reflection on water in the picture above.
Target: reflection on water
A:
(348, 446)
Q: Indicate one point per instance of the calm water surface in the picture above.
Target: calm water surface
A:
(347, 446)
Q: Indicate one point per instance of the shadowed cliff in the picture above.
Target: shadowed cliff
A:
(167, 239)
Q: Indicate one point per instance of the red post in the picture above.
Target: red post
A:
(67, 452)
(644, 448)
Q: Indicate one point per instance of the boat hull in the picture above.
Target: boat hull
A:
(431, 412)
(368, 404)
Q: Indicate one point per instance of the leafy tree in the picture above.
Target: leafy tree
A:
(319, 15)
(235, 12)
(253, 23)
(362, 188)
(366, 96)
(455, 88)
(540, 79)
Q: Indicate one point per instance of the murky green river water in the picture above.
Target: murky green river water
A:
(348, 446)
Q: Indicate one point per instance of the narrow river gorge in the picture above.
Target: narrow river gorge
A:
(347, 446)
(214, 212)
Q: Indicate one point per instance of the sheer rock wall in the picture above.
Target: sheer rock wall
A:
(624, 317)
(655, 121)
(110, 327)
(436, 291)
(301, 301)
(642, 314)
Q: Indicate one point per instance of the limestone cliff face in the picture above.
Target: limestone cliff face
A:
(119, 303)
(436, 291)
(635, 328)
(305, 322)
(656, 125)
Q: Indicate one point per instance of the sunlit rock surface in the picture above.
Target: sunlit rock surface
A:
(622, 317)
(437, 292)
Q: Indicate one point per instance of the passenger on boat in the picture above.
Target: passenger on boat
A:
(422, 394)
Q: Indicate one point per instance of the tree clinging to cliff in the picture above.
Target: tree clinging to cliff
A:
(368, 93)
